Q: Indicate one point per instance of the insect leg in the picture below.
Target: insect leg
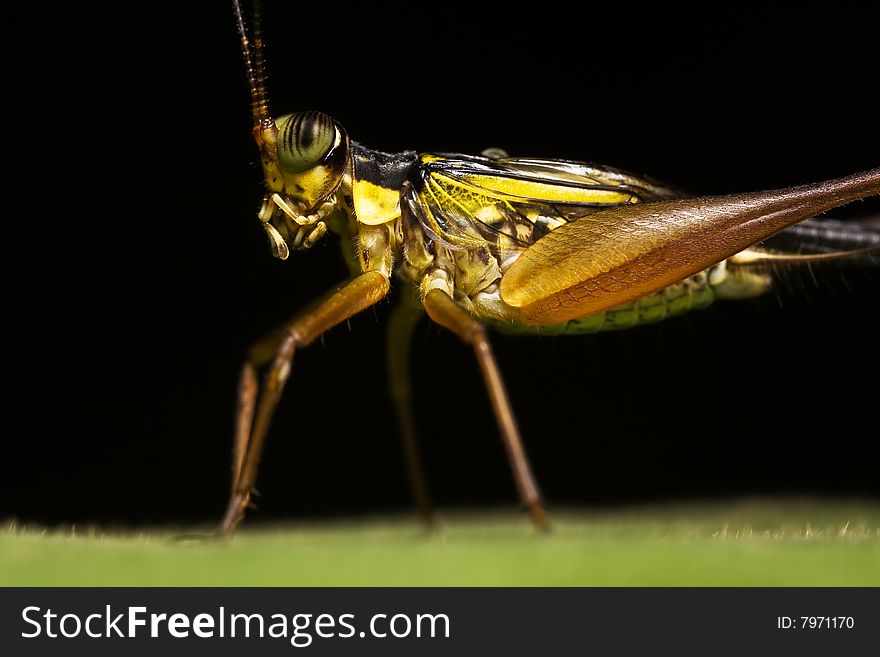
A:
(404, 319)
(359, 293)
(248, 389)
(626, 252)
(443, 310)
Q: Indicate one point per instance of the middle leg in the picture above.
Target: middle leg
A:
(404, 318)
(443, 310)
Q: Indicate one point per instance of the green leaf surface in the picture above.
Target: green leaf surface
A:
(747, 543)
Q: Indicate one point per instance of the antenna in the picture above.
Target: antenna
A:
(253, 61)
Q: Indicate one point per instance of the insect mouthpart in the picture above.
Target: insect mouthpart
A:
(275, 202)
(289, 229)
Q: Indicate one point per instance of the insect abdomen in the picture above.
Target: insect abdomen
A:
(692, 293)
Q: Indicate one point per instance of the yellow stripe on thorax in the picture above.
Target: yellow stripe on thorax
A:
(374, 204)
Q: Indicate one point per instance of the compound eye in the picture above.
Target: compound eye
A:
(304, 140)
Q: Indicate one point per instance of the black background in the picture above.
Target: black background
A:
(138, 272)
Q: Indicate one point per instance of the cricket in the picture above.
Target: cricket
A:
(493, 242)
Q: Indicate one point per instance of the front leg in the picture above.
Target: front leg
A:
(251, 427)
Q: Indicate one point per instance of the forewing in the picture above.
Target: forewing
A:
(510, 203)
(825, 236)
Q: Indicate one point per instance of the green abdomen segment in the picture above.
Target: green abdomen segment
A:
(692, 293)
